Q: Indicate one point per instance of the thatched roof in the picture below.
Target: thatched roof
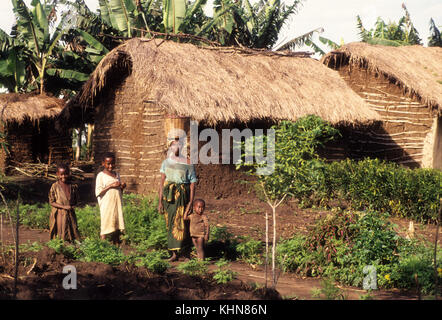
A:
(224, 85)
(19, 107)
(417, 69)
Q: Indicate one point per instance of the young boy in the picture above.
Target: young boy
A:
(199, 227)
(63, 197)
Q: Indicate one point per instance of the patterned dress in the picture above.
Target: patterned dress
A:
(176, 196)
(63, 223)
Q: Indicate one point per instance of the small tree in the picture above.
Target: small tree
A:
(293, 171)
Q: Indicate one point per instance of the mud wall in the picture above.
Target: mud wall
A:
(400, 136)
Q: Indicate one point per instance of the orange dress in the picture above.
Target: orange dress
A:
(63, 223)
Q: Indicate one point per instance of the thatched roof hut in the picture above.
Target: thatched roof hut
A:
(217, 85)
(28, 123)
(139, 85)
(404, 85)
(19, 107)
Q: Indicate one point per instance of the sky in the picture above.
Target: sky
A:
(337, 17)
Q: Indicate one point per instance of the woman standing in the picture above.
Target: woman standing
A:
(176, 194)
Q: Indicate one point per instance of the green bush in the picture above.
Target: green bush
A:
(154, 261)
(386, 187)
(88, 221)
(222, 243)
(222, 274)
(35, 216)
(100, 251)
(250, 251)
(370, 240)
(68, 250)
(292, 254)
(194, 268)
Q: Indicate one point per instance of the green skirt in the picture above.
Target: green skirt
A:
(176, 196)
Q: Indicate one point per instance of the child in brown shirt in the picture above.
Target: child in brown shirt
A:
(199, 227)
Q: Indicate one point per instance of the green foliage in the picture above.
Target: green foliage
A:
(32, 247)
(101, 251)
(292, 254)
(386, 187)
(64, 248)
(222, 274)
(223, 242)
(88, 221)
(143, 224)
(35, 216)
(250, 251)
(297, 170)
(154, 261)
(375, 242)
(390, 34)
(435, 38)
(194, 268)
(356, 241)
(329, 291)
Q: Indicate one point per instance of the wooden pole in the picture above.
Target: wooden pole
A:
(267, 248)
(435, 249)
(17, 224)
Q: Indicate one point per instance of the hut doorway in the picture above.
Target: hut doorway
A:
(40, 146)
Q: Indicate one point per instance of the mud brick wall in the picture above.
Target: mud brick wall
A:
(400, 137)
(60, 146)
(19, 139)
(134, 131)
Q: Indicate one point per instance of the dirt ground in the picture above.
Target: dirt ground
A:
(41, 273)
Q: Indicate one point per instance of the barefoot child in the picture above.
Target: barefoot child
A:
(63, 197)
(199, 227)
(108, 190)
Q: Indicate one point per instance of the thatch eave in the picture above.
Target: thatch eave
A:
(213, 85)
(415, 69)
(17, 107)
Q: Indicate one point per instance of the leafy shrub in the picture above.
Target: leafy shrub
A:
(154, 261)
(35, 216)
(101, 251)
(222, 274)
(143, 223)
(386, 187)
(329, 290)
(194, 267)
(250, 251)
(292, 253)
(370, 240)
(32, 247)
(68, 250)
(222, 243)
(88, 221)
(331, 232)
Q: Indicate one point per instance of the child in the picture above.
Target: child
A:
(108, 190)
(63, 196)
(199, 227)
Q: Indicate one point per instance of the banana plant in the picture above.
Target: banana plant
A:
(392, 33)
(33, 32)
(435, 38)
(12, 65)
